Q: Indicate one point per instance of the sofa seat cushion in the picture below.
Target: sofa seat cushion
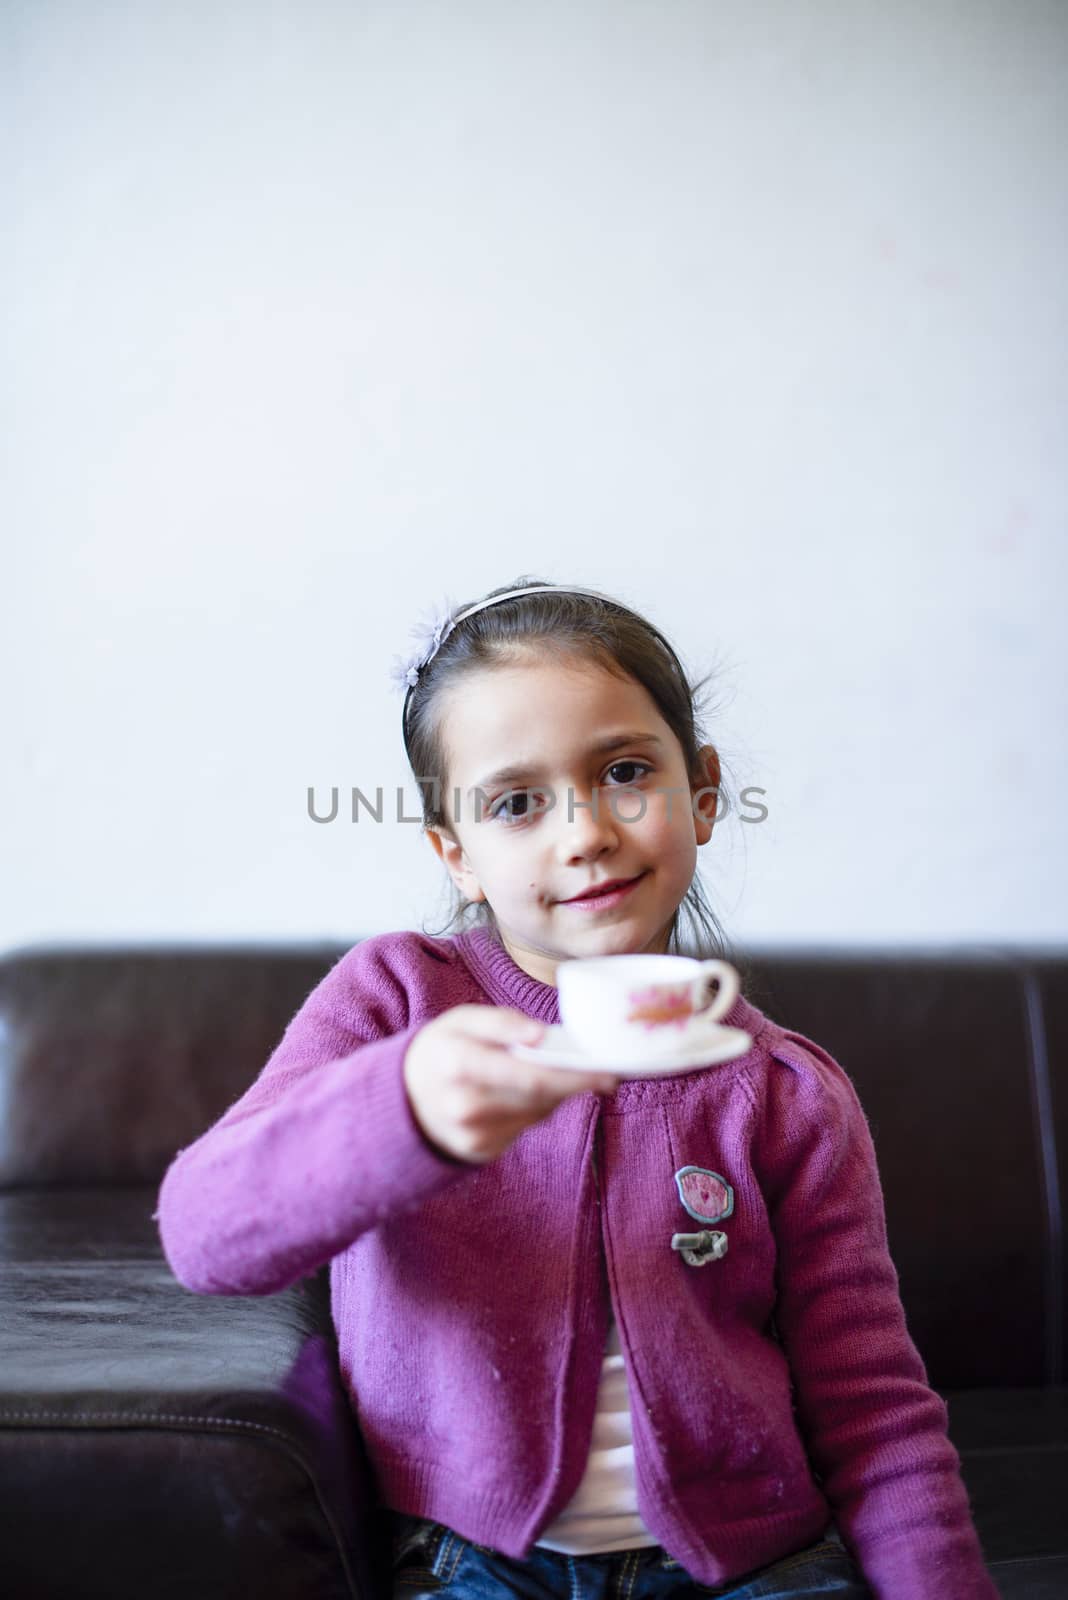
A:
(1013, 1445)
(177, 1434)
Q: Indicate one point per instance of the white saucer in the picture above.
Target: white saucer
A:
(556, 1048)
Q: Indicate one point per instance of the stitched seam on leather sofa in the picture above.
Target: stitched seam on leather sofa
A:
(74, 1422)
(1046, 1140)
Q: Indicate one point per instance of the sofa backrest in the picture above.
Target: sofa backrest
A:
(112, 1059)
(960, 1060)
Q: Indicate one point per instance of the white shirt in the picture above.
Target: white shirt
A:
(602, 1514)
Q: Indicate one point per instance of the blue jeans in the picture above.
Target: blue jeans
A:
(429, 1559)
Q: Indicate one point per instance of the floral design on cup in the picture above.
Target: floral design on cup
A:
(643, 1007)
(658, 1005)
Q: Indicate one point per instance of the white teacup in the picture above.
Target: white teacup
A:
(639, 1008)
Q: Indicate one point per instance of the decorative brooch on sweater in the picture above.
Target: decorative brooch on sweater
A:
(707, 1197)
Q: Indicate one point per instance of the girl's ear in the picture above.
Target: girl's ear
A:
(704, 794)
(450, 851)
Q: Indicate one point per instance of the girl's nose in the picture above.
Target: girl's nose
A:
(587, 826)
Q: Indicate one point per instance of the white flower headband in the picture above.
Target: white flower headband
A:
(430, 632)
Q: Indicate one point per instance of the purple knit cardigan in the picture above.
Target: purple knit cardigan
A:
(770, 1390)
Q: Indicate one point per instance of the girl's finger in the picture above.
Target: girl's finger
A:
(566, 1081)
(501, 1024)
(524, 1081)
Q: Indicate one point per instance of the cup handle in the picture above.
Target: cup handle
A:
(710, 1006)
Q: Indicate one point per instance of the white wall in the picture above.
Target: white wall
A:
(751, 314)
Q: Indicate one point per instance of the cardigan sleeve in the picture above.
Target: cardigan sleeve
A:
(321, 1147)
(875, 1431)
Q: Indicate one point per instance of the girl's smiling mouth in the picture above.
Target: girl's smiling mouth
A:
(603, 896)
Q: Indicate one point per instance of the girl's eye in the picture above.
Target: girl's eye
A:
(641, 767)
(514, 807)
(522, 804)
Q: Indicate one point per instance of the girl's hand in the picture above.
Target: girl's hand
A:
(470, 1095)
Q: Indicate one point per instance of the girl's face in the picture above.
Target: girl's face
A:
(562, 777)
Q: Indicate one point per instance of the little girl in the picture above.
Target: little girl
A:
(554, 1400)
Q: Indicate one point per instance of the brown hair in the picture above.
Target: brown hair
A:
(579, 625)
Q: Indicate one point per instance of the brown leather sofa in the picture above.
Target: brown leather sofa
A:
(159, 1443)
